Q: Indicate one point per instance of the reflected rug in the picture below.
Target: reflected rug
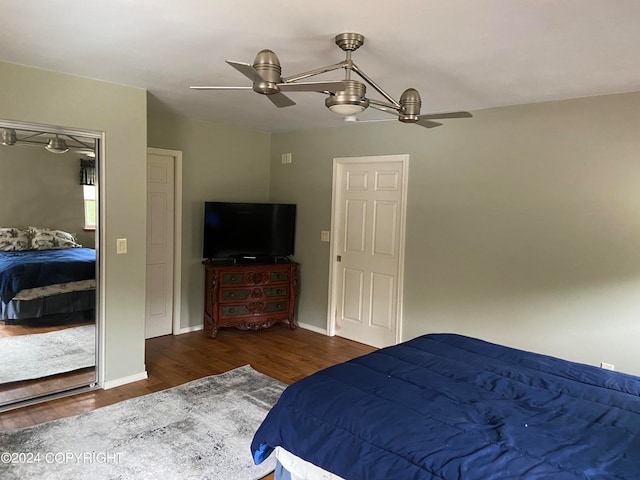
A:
(25, 357)
(200, 430)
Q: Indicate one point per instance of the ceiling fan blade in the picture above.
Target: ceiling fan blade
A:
(423, 122)
(427, 123)
(218, 88)
(336, 86)
(447, 115)
(247, 70)
(280, 100)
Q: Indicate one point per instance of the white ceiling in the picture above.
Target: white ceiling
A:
(459, 54)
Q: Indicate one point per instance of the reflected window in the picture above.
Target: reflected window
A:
(89, 194)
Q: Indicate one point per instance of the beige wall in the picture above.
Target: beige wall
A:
(220, 163)
(33, 95)
(523, 223)
(43, 191)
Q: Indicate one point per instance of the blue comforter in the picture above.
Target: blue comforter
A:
(445, 406)
(37, 268)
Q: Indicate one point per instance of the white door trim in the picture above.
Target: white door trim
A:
(337, 163)
(177, 234)
(100, 246)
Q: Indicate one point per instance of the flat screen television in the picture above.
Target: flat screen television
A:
(248, 230)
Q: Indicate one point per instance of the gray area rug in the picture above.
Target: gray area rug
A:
(200, 430)
(25, 357)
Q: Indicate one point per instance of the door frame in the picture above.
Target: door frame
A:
(177, 235)
(338, 163)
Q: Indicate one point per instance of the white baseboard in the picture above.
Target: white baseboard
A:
(195, 328)
(124, 380)
(313, 328)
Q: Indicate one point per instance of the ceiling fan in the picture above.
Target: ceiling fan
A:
(346, 97)
(265, 75)
(52, 142)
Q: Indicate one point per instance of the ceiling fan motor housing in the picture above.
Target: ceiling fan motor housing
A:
(8, 137)
(349, 41)
(410, 103)
(268, 66)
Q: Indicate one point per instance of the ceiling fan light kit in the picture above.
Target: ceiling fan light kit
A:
(349, 101)
(57, 145)
(346, 97)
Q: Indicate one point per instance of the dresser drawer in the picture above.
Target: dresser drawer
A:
(234, 310)
(276, 307)
(232, 278)
(254, 308)
(280, 291)
(239, 294)
(253, 293)
(279, 276)
(254, 278)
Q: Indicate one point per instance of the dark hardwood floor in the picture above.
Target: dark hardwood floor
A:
(284, 354)
(10, 330)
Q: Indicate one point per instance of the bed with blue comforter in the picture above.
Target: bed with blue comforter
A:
(39, 284)
(445, 406)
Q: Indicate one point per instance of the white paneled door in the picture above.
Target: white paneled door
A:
(369, 203)
(160, 243)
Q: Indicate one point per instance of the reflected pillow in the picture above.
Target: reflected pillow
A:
(46, 239)
(14, 239)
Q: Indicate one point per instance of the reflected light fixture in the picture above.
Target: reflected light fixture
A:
(52, 142)
(57, 145)
(8, 137)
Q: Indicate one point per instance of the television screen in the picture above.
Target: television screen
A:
(248, 229)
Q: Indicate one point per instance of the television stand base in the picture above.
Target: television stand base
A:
(249, 296)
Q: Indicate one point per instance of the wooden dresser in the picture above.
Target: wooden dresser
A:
(249, 297)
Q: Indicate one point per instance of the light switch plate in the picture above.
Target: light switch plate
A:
(286, 158)
(121, 245)
(325, 235)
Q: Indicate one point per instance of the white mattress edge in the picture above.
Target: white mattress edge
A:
(50, 290)
(301, 469)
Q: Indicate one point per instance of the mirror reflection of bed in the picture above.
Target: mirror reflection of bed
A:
(47, 262)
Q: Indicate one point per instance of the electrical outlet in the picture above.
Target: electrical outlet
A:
(606, 366)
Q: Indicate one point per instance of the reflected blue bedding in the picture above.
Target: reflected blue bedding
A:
(38, 268)
(446, 406)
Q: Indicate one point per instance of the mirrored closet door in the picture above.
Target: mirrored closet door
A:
(48, 261)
